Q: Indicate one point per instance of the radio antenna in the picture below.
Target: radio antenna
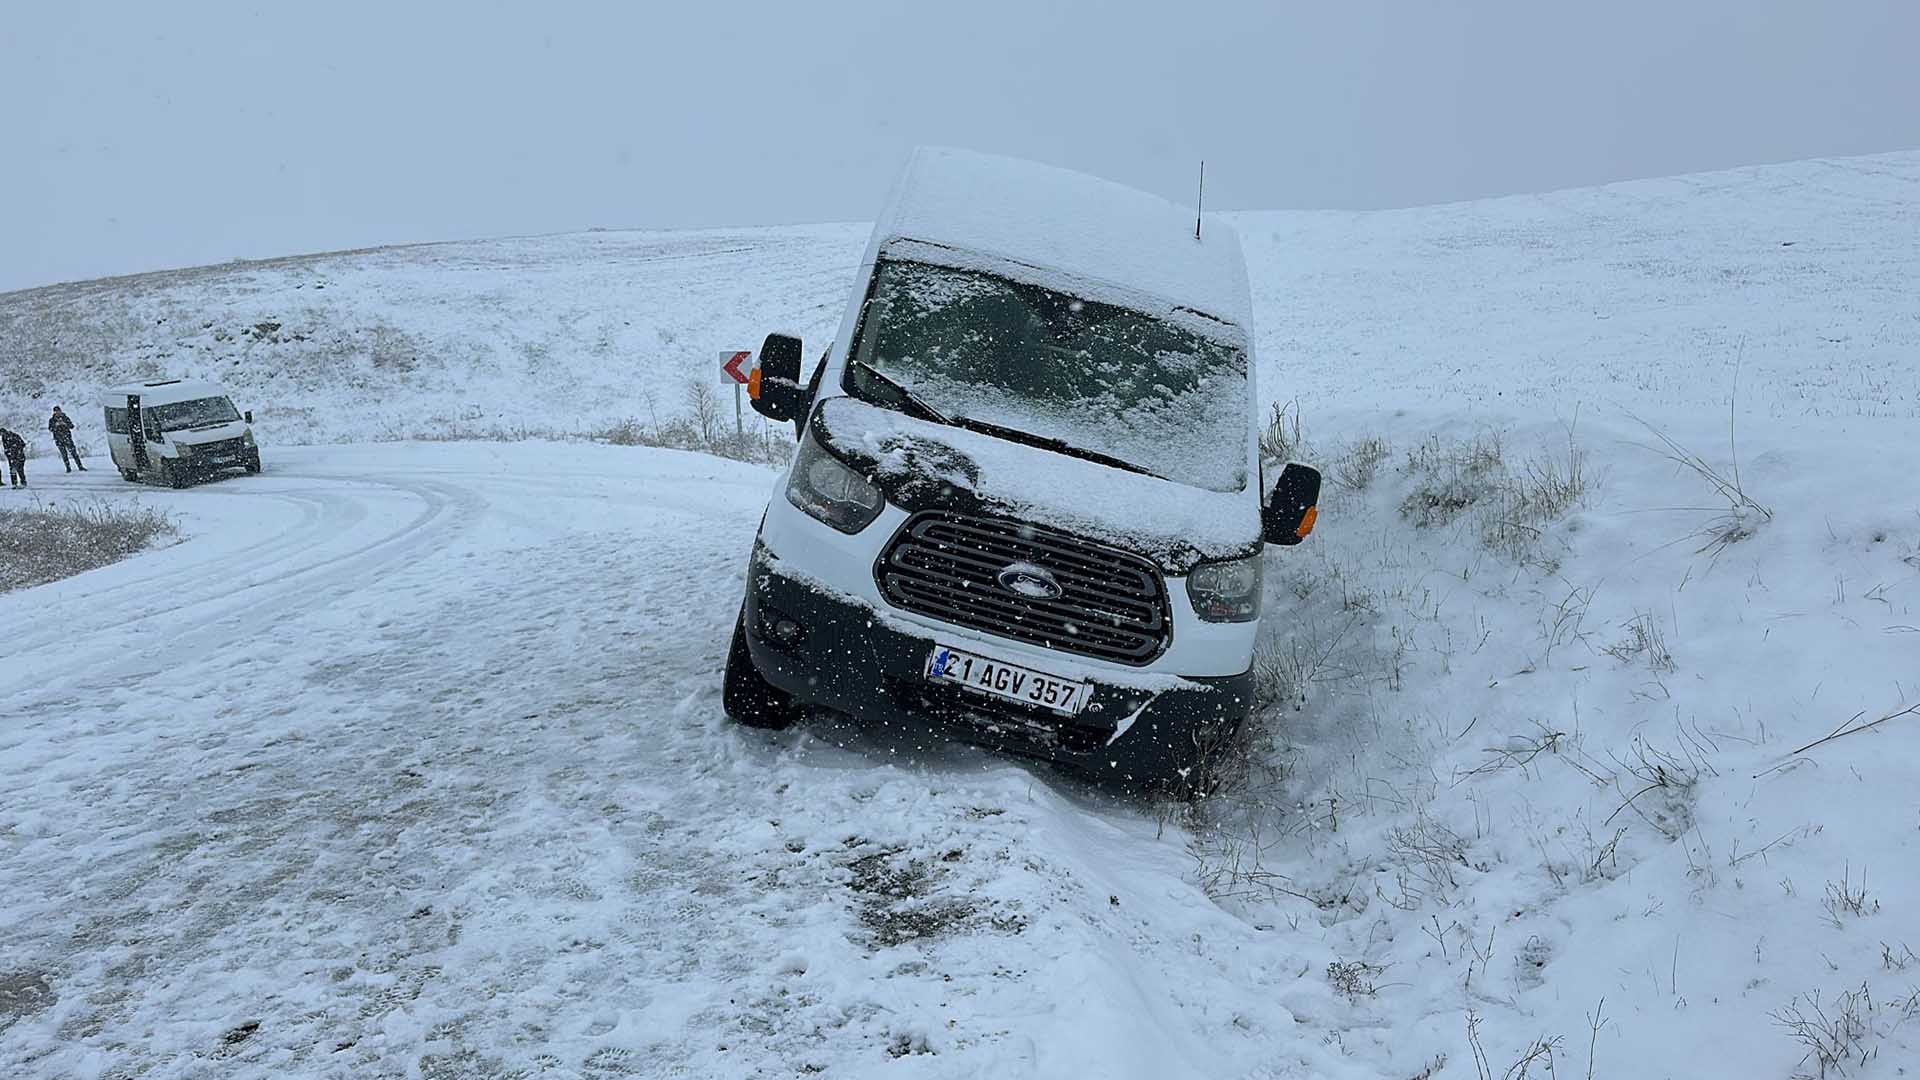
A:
(1200, 198)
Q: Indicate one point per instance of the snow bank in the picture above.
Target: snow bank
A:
(1524, 796)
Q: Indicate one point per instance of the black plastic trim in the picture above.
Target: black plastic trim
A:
(1124, 627)
(855, 660)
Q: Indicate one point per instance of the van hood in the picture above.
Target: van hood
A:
(210, 434)
(923, 465)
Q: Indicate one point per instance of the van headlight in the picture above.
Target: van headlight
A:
(1226, 591)
(830, 492)
(247, 436)
(183, 450)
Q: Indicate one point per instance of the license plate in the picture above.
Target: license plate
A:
(1010, 682)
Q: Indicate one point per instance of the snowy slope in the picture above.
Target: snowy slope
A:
(1632, 293)
(563, 334)
(409, 761)
(1635, 294)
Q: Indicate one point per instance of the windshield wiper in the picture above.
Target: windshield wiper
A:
(1047, 442)
(927, 412)
(902, 394)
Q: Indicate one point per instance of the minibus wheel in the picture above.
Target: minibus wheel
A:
(745, 694)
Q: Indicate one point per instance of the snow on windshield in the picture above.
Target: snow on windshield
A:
(197, 413)
(1158, 396)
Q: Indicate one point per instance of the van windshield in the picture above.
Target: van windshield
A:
(199, 412)
(984, 351)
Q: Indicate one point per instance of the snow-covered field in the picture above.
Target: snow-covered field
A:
(409, 760)
(1637, 295)
(560, 334)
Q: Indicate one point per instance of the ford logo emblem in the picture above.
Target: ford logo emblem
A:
(1030, 581)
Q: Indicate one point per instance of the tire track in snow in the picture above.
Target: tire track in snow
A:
(86, 608)
(476, 813)
(227, 603)
(240, 774)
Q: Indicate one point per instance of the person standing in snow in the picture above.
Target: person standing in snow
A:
(62, 428)
(16, 450)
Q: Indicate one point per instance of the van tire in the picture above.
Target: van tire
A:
(171, 476)
(747, 697)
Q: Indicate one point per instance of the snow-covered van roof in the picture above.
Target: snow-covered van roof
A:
(162, 392)
(972, 210)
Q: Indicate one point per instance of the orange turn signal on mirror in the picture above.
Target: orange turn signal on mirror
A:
(1306, 522)
(753, 384)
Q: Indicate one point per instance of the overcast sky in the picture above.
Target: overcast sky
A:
(136, 136)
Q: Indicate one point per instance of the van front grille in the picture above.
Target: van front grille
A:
(1111, 605)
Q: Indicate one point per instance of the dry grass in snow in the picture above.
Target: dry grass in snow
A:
(40, 545)
(1528, 758)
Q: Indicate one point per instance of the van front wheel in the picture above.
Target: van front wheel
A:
(171, 475)
(747, 696)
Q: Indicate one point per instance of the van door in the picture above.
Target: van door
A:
(115, 417)
(136, 433)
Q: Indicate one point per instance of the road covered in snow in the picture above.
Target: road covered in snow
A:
(410, 762)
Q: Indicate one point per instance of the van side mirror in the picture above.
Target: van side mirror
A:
(1292, 506)
(775, 382)
(247, 416)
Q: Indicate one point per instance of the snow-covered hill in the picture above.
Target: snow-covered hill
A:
(560, 334)
(1639, 295)
(1631, 294)
(409, 761)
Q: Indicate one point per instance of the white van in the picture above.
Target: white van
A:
(174, 431)
(1027, 506)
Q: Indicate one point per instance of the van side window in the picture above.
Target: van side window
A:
(117, 421)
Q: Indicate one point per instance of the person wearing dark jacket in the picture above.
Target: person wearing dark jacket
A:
(62, 428)
(16, 450)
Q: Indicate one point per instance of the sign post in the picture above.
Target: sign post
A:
(734, 365)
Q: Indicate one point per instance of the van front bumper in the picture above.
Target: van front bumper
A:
(218, 458)
(836, 652)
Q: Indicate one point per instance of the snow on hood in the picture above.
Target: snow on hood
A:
(921, 464)
(1075, 228)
